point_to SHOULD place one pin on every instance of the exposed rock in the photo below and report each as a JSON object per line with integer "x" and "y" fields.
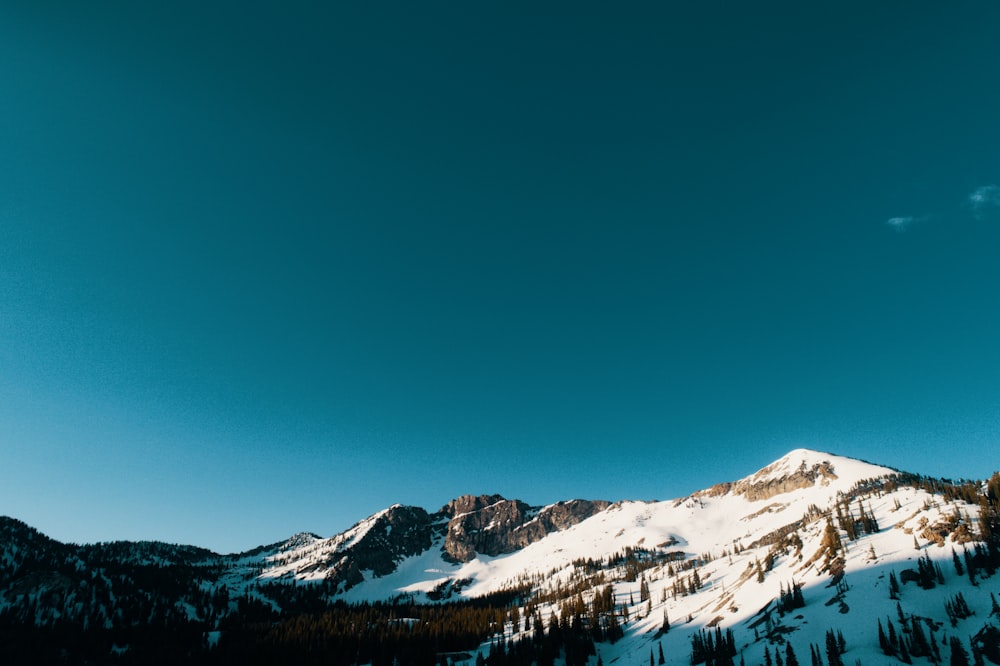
{"x": 493, "y": 525}
{"x": 469, "y": 504}
{"x": 481, "y": 525}
{"x": 764, "y": 484}
{"x": 398, "y": 533}
{"x": 555, "y": 518}
{"x": 401, "y": 532}
{"x": 466, "y": 526}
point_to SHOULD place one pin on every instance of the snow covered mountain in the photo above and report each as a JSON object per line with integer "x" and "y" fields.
{"x": 810, "y": 547}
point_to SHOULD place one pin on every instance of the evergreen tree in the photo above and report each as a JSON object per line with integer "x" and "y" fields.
{"x": 904, "y": 655}
{"x": 977, "y": 654}
{"x": 959, "y": 657}
{"x": 790, "y": 659}
{"x": 832, "y": 650}
{"x": 893, "y": 639}
{"x": 893, "y": 586}
{"x": 970, "y": 566}
{"x": 919, "y": 646}
{"x": 814, "y": 654}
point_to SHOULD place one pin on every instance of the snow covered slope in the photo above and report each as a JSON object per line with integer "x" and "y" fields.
{"x": 727, "y": 515}
{"x": 811, "y": 543}
{"x": 730, "y": 556}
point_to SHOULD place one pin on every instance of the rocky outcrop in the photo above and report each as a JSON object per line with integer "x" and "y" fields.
{"x": 555, "y": 518}
{"x": 466, "y": 526}
{"x": 398, "y": 533}
{"x": 765, "y": 484}
{"x": 401, "y": 532}
{"x": 493, "y": 525}
{"x": 481, "y": 525}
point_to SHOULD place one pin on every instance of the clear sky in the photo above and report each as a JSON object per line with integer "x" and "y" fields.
{"x": 269, "y": 267}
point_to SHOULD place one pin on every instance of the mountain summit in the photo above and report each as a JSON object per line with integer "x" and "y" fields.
{"x": 800, "y": 469}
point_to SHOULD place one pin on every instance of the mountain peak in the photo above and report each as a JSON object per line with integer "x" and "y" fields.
{"x": 470, "y": 503}
{"x": 800, "y": 469}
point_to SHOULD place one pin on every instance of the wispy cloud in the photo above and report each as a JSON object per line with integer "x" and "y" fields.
{"x": 983, "y": 198}
{"x": 901, "y": 223}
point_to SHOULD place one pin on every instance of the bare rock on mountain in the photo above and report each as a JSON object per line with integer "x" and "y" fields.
{"x": 768, "y": 482}
{"x": 385, "y": 539}
{"x": 401, "y": 532}
{"x": 481, "y": 525}
{"x": 493, "y": 525}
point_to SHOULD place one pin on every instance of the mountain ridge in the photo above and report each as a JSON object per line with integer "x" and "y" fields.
{"x": 834, "y": 530}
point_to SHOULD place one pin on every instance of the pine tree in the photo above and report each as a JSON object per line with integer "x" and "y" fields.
{"x": 977, "y": 654}
{"x": 959, "y": 657}
{"x": 798, "y": 601}
{"x": 893, "y": 586}
{"x": 919, "y": 647}
{"x": 832, "y": 650}
{"x": 831, "y": 544}
{"x": 790, "y": 659}
{"x": 814, "y": 654}
{"x": 904, "y": 655}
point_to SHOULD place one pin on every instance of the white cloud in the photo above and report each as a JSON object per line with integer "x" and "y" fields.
{"x": 901, "y": 223}
{"x": 987, "y": 196}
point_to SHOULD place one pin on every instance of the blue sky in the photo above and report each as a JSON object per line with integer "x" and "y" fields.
{"x": 271, "y": 267}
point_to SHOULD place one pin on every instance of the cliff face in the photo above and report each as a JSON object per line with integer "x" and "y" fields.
{"x": 400, "y": 532}
{"x": 493, "y": 525}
